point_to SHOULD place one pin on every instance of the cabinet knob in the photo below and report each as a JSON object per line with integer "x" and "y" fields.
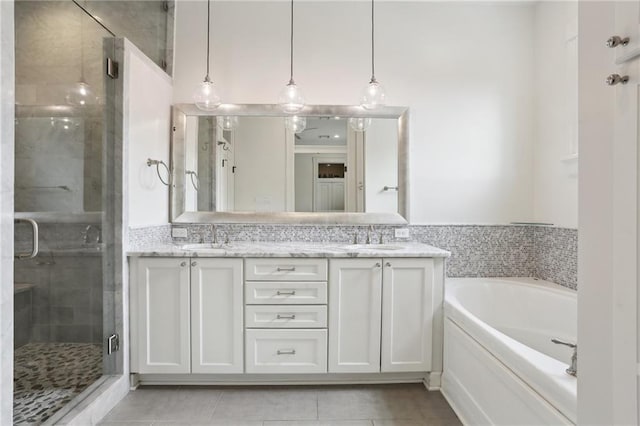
{"x": 194, "y": 263}
{"x": 387, "y": 264}
{"x": 378, "y": 265}
{"x": 615, "y": 41}
{"x": 183, "y": 264}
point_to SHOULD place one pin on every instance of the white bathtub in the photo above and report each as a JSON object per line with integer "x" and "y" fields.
{"x": 500, "y": 366}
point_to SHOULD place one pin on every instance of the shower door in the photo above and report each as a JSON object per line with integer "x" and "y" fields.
{"x": 64, "y": 306}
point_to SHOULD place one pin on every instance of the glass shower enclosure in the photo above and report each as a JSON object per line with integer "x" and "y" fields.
{"x": 64, "y": 305}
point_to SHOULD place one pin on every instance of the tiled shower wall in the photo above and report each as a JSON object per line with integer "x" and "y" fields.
{"x": 476, "y": 250}
{"x": 67, "y": 293}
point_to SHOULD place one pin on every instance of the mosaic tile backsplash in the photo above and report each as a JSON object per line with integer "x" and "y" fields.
{"x": 555, "y": 252}
{"x": 476, "y": 250}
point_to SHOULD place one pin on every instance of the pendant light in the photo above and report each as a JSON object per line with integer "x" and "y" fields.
{"x": 360, "y": 124}
{"x": 291, "y": 99}
{"x": 373, "y": 95}
{"x": 206, "y": 96}
{"x": 228, "y": 122}
{"x": 295, "y": 123}
{"x": 81, "y": 94}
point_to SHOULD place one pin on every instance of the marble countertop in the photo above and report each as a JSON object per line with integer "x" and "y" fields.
{"x": 292, "y": 249}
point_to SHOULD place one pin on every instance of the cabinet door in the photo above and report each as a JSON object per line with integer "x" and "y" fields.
{"x": 407, "y": 314}
{"x": 216, "y": 316}
{"x": 355, "y": 290}
{"x": 161, "y": 304}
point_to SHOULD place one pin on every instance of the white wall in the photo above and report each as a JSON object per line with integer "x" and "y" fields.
{"x": 464, "y": 69}
{"x": 381, "y": 144}
{"x": 146, "y": 127}
{"x": 556, "y": 94}
{"x": 260, "y": 160}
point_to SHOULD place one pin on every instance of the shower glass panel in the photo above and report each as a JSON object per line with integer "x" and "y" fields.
{"x": 148, "y": 24}
{"x": 64, "y": 309}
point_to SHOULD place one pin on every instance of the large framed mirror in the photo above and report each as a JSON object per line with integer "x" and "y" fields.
{"x": 251, "y": 164}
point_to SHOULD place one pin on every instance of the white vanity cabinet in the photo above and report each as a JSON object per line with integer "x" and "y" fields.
{"x": 187, "y": 315}
{"x": 286, "y": 315}
{"x": 355, "y": 304}
{"x": 381, "y": 315}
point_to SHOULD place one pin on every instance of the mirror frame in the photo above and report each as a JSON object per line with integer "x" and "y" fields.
{"x": 177, "y": 211}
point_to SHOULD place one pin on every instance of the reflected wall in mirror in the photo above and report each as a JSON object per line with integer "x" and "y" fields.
{"x": 260, "y": 165}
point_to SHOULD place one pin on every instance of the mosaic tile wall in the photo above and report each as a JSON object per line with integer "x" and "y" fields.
{"x": 555, "y": 252}
{"x": 476, "y": 250}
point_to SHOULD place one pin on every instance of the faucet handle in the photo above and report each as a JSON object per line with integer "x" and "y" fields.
{"x": 561, "y": 342}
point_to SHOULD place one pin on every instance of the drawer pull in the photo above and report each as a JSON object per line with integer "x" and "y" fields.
{"x": 291, "y": 269}
{"x": 290, "y": 316}
{"x": 286, "y": 293}
{"x": 286, "y": 351}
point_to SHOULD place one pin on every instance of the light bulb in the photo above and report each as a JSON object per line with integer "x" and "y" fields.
{"x": 228, "y": 122}
{"x": 80, "y": 95}
{"x": 373, "y": 95}
{"x": 360, "y": 124}
{"x": 295, "y": 123}
{"x": 206, "y": 96}
{"x": 291, "y": 99}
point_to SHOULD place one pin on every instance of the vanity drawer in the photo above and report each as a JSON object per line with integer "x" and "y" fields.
{"x": 286, "y": 316}
{"x": 285, "y": 269}
{"x": 285, "y": 293}
{"x": 286, "y": 351}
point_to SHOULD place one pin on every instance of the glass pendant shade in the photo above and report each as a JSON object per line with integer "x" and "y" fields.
{"x": 359, "y": 124}
{"x": 373, "y": 96}
{"x": 206, "y": 96}
{"x": 228, "y": 122}
{"x": 80, "y": 95}
{"x": 295, "y": 123}
{"x": 291, "y": 99}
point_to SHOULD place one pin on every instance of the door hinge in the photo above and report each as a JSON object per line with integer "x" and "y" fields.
{"x": 112, "y": 68}
{"x": 113, "y": 344}
{"x": 165, "y": 6}
{"x": 233, "y": 169}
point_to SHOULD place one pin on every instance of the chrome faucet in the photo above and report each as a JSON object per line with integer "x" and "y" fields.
{"x": 369, "y": 232}
{"x": 214, "y": 233}
{"x": 573, "y": 368}
{"x": 86, "y": 234}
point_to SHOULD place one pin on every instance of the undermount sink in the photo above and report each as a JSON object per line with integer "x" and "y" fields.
{"x": 205, "y": 247}
{"x": 373, "y": 247}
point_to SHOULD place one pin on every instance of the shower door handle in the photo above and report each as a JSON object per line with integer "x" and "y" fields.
{"x": 34, "y": 250}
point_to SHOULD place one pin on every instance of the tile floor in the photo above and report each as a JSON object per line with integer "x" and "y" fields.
{"x": 357, "y": 405}
{"x": 46, "y": 376}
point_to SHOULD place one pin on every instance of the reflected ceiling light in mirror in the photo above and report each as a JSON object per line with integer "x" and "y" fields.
{"x": 228, "y": 122}
{"x": 373, "y": 96}
{"x": 206, "y": 96}
{"x": 291, "y": 99}
{"x": 360, "y": 124}
{"x": 80, "y": 94}
{"x": 295, "y": 123}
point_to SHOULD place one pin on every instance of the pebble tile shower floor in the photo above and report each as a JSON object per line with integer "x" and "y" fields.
{"x": 358, "y": 405}
{"x": 49, "y": 375}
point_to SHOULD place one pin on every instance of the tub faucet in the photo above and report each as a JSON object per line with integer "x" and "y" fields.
{"x": 573, "y": 368}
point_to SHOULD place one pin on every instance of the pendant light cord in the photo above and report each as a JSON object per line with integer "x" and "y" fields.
{"x": 206, "y": 78}
{"x": 373, "y": 50}
{"x": 291, "y": 47}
